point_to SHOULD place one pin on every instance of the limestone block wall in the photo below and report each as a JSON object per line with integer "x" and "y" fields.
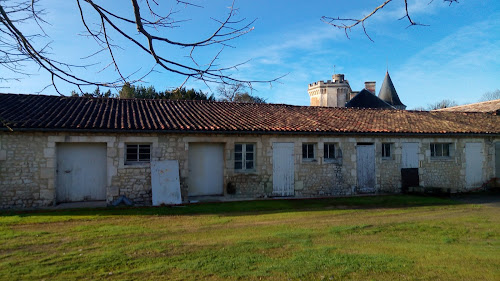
{"x": 25, "y": 179}
{"x": 28, "y": 164}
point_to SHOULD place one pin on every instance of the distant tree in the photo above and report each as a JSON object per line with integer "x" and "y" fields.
{"x": 420, "y": 108}
{"x": 246, "y": 97}
{"x": 442, "y": 104}
{"x": 228, "y": 92}
{"x": 237, "y": 93}
{"x": 95, "y": 94}
{"x": 127, "y": 92}
{"x": 183, "y": 94}
{"x": 494, "y": 95}
{"x": 141, "y": 92}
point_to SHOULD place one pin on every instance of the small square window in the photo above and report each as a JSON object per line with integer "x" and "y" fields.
{"x": 308, "y": 151}
{"x": 137, "y": 153}
{"x": 440, "y": 149}
{"x": 386, "y": 150}
{"x": 329, "y": 151}
{"x": 244, "y": 156}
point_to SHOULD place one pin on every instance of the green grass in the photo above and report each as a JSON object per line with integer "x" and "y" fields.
{"x": 362, "y": 238}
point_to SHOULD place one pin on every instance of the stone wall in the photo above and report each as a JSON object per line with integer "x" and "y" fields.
{"x": 28, "y": 175}
{"x": 25, "y": 179}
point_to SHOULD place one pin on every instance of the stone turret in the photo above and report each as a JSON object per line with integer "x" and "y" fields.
{"x": 332, "y": 93}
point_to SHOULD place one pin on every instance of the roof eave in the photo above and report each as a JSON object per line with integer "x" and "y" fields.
{"x": 262, "y": 132}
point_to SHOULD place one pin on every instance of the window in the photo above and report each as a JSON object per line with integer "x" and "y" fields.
{"x": 308, "y": 151}
{"x": 329, "y": 151}
{"x": 244, "y": 156}
{"x": 138, "y": 153}
{"x": 440, "y": 149}
{"x": 386, "y": 150}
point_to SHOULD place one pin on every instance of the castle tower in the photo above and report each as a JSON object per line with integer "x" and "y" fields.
{"x": 388, "y": 93}
{"x": 332, "y": 93}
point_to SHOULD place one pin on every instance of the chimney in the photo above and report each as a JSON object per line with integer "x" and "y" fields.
{"x": 370, "y": 86}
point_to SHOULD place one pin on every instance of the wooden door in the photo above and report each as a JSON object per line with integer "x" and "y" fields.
{"x": 473, "y": 164}
{"x": 206, "y": 169}
{"x": 365, "y": 160}
{"x": 409, "y": 157}
{"x": 165, "y": 185}
{"x": 283, "y": 169}
{"x": 81, "y": 172}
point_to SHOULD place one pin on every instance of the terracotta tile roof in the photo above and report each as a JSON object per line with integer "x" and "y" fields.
{"x": 485, "y": 106}
{"x": 37, "y": 112}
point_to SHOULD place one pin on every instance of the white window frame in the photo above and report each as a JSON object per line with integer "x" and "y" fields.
{"x": 434, "y": 151}
{"x": 244, "y": 157}
{"x": 137, "y": 160}
{"x": 309, "y": 147}
{"x": 327, "y": 150}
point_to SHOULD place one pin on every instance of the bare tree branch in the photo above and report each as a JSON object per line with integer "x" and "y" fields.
{"x": 347, "y": 24}
{"x": 18, "y": 48}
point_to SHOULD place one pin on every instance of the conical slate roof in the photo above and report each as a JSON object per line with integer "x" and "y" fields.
{"x": 365, "y": 99}
{"x": 388, "y": 92}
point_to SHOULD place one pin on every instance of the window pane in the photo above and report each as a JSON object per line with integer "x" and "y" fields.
{"x": 131, "y": 157}
{"x": 433, "y": 150}
{"x": 249, "y": 164}
{"x": 386, "y": 150}
{"x": 304, "y": 151}
{"x": 238, "y": 156}
{"x": 238, "y": 147}
{"x": 131, "y": 149}
{"x": 310, "y": 151}
{"x": 249, "y": 156}
{"x": 238, "y": 165}
{"x": 143, "y": 157}
{"x": 249, "y": 147}
{"x": 144, "y": 149}
{"x": 446, "y": 149}
{"x": 439, "y": 149}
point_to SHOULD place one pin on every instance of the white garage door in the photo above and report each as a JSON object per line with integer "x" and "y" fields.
{"x": 81, "y": 172}
{"x": 206, "y": 163}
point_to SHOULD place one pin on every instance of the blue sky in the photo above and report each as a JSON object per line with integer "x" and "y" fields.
{"x": 456, "y": 57}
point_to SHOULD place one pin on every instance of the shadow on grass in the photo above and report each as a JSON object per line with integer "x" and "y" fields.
{"x": 251, "y": 207}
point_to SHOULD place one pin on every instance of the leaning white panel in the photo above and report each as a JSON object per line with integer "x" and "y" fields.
{"x": 165, "y": 182}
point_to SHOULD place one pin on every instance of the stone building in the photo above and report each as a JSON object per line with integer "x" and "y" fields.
{"x": 338, "y": 93}
{"x": 57, "y": 149}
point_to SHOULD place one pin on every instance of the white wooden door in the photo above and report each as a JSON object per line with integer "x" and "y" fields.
{"x": 283, "y": 169}
{"x": 365, "y": 160}
{"x": 473, "y": 164}
{"x": 81, "y": 172}
{"x": 206, "y": 169}
{"x": 409, "y": 157}
{"x": 165, "y": 185}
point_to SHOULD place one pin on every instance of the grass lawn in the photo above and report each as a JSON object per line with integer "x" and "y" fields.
{"x": 362, "y": 238}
